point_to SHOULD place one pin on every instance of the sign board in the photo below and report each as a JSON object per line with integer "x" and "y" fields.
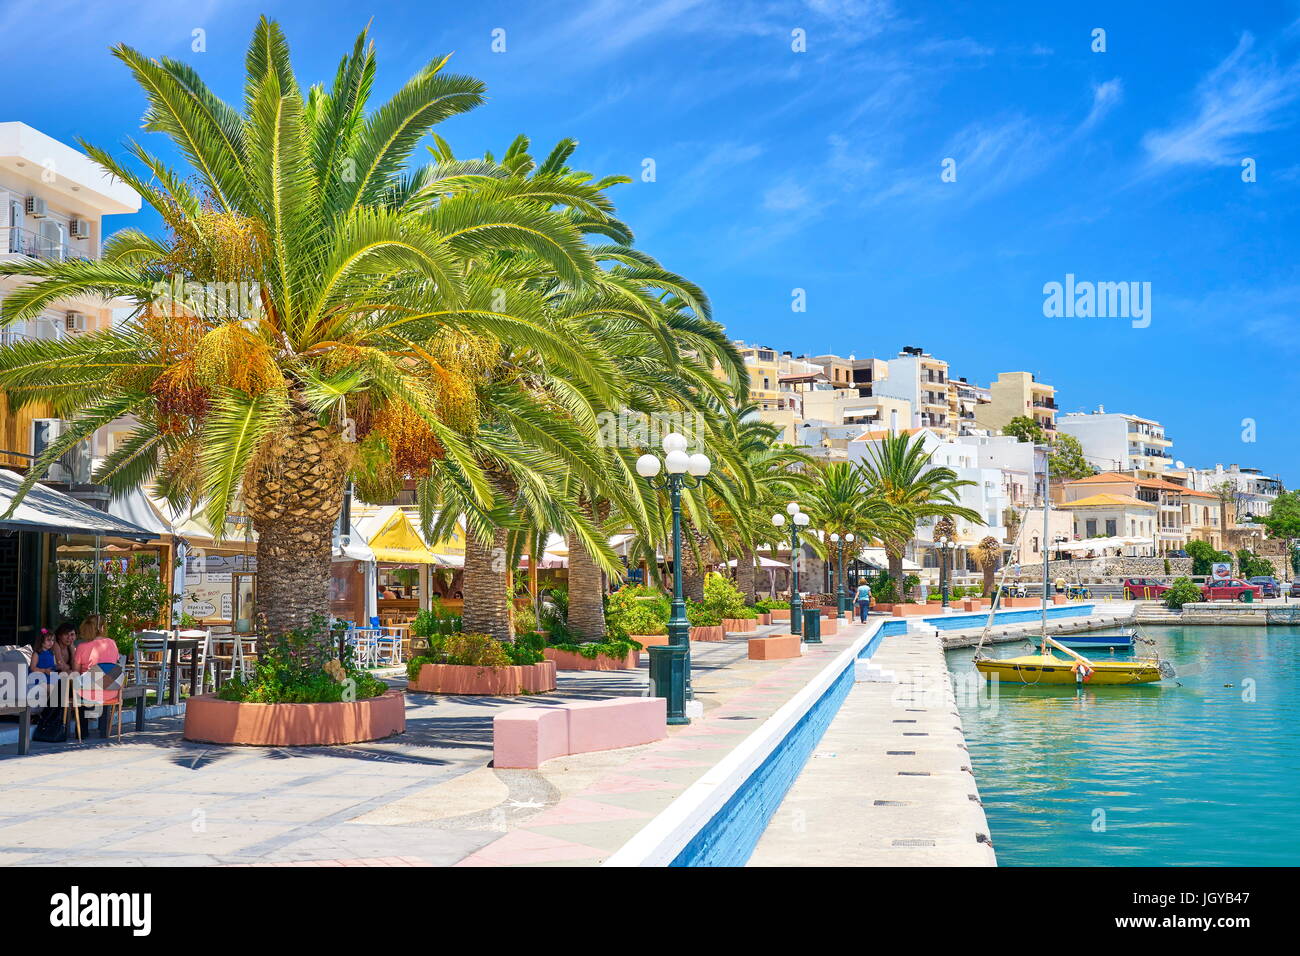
{"x": 1220, "y": 571}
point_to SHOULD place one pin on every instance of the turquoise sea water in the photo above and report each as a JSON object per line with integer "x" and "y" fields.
{"x": 1200, "y": 774}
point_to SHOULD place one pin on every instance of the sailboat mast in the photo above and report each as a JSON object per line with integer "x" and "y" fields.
{"x": 1047, "y": 493}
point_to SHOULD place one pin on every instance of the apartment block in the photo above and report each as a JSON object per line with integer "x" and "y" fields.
{"x": 1119, "y": 442}
{"x": 921, "y": 380}
{"x": 1017, "y": 395}
{"x": 53, "y": 200}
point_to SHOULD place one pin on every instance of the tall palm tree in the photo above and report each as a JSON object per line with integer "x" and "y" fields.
{"x": 370, "y": 298}
{"x": 840, "y": 500}
{"x": 899, "y": 470}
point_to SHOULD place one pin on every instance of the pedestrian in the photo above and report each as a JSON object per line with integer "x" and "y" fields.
{"x": 863, "y": 601}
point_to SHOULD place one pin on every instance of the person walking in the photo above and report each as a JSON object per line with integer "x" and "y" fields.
{"x": 862, "y": 600}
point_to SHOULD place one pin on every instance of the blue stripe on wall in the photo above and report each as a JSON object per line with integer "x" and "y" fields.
{"x": 731, "y": 834}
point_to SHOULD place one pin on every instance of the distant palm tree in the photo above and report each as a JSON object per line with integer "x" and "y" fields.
{"x": 987, "y": 554}
{"x": 899, "y": 470}
{"x": 840, "y": 500}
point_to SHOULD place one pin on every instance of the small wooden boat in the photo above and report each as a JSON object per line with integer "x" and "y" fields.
{"x": 1115, "y": 641}
{"x": 1050, "y": 669}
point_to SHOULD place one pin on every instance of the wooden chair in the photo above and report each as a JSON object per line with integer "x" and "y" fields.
{"x": 97, "y": 688}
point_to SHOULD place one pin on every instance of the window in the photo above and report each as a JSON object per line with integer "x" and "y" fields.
{"x": 1110, "y": 528}
{"x": 1090, "y": 528}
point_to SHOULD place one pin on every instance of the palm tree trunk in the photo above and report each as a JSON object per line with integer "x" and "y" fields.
{"x": 293, "y": 499}
{"x": 896, "y": 571}
{"x": 586, "y": 593}
{"x": 488, "y": 609}
{"x": 745, "y": 575}
{"x": 692, "y": 569}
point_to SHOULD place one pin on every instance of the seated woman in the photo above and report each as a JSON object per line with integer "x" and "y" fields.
{"x": 41, "y": 670}
{"x": 65, "y": 636}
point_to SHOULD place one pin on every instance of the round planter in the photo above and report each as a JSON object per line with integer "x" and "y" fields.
{"x": 739, "y": 625}
{"x": 573, "y": 661}
{"x": 475, "y": 681}
{"x": 712, "y": 632}
{"x": 650, "y": 640}
{"x": 211, "y": 720}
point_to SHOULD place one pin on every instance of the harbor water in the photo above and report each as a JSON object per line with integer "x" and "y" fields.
{"x": 1204, "y": 771}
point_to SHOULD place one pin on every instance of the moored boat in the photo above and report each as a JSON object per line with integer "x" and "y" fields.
{"x": 1114, "y": 641}
{"x": 1050, "y": 669}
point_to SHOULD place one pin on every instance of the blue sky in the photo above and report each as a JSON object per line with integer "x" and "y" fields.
{"x": 820, "y": 170}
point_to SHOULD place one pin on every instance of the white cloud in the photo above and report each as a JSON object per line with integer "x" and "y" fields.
{"x": 1242, "y": 96}
{"x": 1105, "y": 96}
{"x": 786, "y": 197}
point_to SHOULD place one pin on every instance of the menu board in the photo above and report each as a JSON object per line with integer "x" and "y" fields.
{"x": 209, "y": 584}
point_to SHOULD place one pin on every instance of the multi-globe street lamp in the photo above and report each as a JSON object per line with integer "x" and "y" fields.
{"x": 670, "y": 667}
{"x": 841, "y": 599}
{"x": 798, "y": 519}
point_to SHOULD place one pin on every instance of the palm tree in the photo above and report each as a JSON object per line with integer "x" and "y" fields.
{"x": 899, "y": 470}
{"x": 373, "y": 307}
{"x": 987, "y": 555}
{"x": 839, "y": 501}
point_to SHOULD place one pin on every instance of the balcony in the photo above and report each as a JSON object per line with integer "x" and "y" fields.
{"x": 1045, "y": 403}
{"x": 23, "y": 242}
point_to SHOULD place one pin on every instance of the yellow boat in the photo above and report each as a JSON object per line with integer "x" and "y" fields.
{"x": 1050, "y": 669}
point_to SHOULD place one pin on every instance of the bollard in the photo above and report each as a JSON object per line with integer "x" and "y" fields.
{"x": 668, "y": 679}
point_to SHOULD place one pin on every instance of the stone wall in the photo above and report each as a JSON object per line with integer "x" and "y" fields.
{"x": 1109, "y": 568}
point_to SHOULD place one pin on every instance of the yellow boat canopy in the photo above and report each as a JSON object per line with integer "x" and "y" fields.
{"x": 393, "y": 538}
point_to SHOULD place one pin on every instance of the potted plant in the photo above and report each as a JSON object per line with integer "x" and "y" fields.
{"x": 706, "y": 623}
{"x": 728, "y": 603}
{"x": 638, "y": 614}
{"x": 299, "y": 694}
{"x": 777, "y": 610}
{"x": 483, "y": 666}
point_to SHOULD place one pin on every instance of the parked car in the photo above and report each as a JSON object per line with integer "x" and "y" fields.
{"x": 1294, "y": 590}
{"x": 1269, "y": 587}
{"x": 1143, "y": 588}
{"x": 1180, "y": 553}
{"x": 1228, "y": 589}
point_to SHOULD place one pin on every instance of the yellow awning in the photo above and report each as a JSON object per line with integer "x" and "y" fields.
{"x": 396, "y": 541}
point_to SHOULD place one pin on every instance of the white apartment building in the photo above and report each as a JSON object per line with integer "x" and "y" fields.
{"x": 1254, "y": 491}
{"x": 53, "y": 200}
{"x": 1113, "y": 441}
{"x": 921, "y": 380}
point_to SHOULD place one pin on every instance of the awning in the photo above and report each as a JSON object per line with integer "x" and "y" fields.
{"x": 45, "y": 510}
{"x": 134, "y": 507}
{"x": 762, "y": 563}
{"x": 352, "y": 546}
{"x": 392, "y": 537}
{"x": 876, "y": 558}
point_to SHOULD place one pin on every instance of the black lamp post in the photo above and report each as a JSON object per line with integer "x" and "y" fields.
{"x": 670, "y": 667}
{"x": 946, "y": 546}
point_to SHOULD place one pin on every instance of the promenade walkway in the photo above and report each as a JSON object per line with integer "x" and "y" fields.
{"x": 890, "y": 784}
{"x": 427, "y": 797}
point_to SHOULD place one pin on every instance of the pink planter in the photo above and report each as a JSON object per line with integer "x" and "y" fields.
{"x": 711, "y": 633}
{"x": 739, "y": 625}
{"x": 211, "y": 720}
{"x": 779, "y": 647}
{"x": 485, "y": 681}
{"x": 650, "y": 640}
{"x": 830, "y": 626}
{"x": 780, "y": 614}
{"x": 764, "y": 619}
{"x": 573, "y": 661}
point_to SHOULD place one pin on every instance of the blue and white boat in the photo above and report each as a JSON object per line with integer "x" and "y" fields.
{"x": 1121, "y": 640}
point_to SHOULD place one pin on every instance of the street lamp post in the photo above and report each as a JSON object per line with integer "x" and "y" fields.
{"x": 841, "y": 599}
{"x": 797, "y": 520}
{"x": 671, "y": 665}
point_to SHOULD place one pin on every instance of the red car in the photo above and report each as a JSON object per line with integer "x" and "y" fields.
{"x": 1142, "y": 589}
{"x": 1229, "y": 589}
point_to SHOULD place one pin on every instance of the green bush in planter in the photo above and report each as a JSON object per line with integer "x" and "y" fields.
{"x": 701, "y": 615}
{"x": 637, "y": 610}
{"x": 770, "y": 604}
{"x": 616, "y": 650}
{"x": 1182, "y": 591}
{"x": 723, "y": 597}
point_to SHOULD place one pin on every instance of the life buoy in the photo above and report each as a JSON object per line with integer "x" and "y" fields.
{"x": 1082, "y": 672}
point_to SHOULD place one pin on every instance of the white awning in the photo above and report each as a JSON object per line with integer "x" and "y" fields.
{"x": 762, "y": 563}
{"x": 877, "y": 558}
{"x": 48, "y": 511}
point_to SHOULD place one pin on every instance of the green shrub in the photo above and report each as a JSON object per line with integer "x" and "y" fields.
{"x": 701, "y": 615}
{"x": 301, "y": 667}
{"x": 884, "y": 590}
{"x": 617, "y": 650}
{"x": 525, "y": 620}
{"x": 1182, "y": 591}
{"x": 772, "y": 604}
{"x": 475, "y": 650}
{"x": 637, "y": 610}
{"x": 723, "y": 597}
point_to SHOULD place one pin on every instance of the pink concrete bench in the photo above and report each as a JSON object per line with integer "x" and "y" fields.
{"x": 526, "y": 737}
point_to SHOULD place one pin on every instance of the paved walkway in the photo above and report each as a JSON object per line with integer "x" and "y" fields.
{"x": 890, "y": 783}
{"x": 427, "y": 797}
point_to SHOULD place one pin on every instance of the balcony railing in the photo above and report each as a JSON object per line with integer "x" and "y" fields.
{"x": 49, "y": 248}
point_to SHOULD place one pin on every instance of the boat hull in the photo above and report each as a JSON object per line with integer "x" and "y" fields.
{"x": 1047, "y": 669}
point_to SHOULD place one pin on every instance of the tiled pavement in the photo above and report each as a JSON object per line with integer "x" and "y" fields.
{"x": 427, "y": 797}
